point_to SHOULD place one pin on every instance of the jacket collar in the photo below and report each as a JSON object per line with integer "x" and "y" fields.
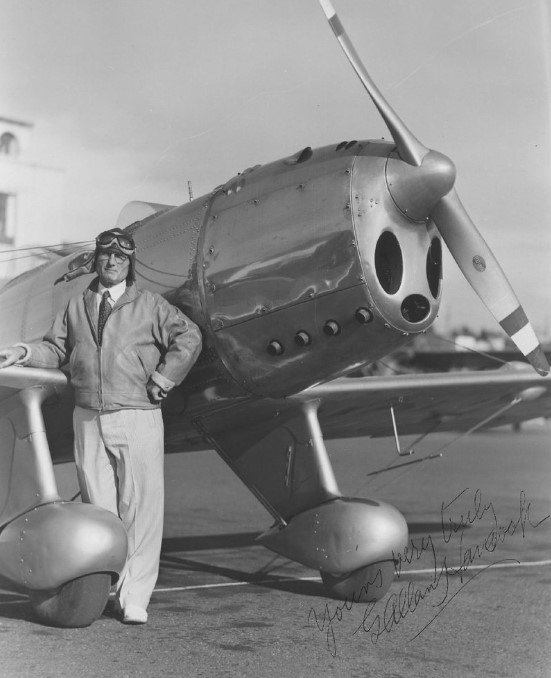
{"x": 90, "y": 301}
{"x": 130, "y": 293}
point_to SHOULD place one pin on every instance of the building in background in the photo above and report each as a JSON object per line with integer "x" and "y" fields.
{"x": 31, "y": 202}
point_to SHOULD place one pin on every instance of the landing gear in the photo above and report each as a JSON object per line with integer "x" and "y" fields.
{"x": 366, "y": 584}
{"x": 76, "y": 604}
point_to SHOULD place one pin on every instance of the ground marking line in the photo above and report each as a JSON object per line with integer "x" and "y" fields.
{"x": 276, "y": 581}
{"x": 175, "y": 589}
{"x": 234, "y": 583}
{"x": 451, "y": 569}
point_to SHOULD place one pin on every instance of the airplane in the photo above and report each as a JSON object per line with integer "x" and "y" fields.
{"x": 298, "y": 272}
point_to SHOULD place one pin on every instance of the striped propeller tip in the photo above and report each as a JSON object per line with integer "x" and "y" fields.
{"x": 518, "y": 327}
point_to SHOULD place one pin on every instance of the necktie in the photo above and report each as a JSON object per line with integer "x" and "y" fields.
{"x": 104, "y": 312}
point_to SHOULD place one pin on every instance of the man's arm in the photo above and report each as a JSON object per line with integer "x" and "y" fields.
{"x": 181, "y": 339}
{"x": 52, "y": 351}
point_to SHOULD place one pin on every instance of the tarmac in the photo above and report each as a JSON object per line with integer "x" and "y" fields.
{"x": 472, "y": 598}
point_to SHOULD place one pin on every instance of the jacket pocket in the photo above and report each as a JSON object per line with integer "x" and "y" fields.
{"x": 149, "y": 357}
{"x": 142, "y": 362}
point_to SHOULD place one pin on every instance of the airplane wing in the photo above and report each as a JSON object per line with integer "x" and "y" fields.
{"x": 276, "y": 446}
{"x": 14, "y": 379}
{"x": 424, "y": 403}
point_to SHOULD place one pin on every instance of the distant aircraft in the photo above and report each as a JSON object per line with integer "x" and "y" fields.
{"x": 298, "y": 272}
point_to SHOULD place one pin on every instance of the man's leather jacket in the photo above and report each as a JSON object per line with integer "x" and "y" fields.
{"x": 144, "y": 337}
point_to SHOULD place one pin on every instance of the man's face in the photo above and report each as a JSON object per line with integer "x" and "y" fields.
{"x": 112, "y": 268}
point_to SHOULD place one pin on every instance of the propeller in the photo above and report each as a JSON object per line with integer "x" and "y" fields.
{"x": 432, "y": 176}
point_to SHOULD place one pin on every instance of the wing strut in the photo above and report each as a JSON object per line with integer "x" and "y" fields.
{"x": 396, "y": 437}
{"x": 527, "y": 394}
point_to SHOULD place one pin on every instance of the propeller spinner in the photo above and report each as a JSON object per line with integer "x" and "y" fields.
{"x": 421, "y": 184}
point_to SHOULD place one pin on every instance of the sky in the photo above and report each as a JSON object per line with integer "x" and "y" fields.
{"x": 134, "y": 98}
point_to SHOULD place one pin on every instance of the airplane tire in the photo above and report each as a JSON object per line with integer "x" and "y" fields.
{"x": 76, "y": 604}
{"x": 364, "y": 585}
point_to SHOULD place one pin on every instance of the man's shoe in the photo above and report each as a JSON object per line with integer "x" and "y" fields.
{"x": 134, "y": 615}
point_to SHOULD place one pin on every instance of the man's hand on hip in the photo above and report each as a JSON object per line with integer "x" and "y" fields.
{"x": 155, "y": 392}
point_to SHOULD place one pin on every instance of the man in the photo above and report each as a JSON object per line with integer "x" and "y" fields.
{"x": 126, "y": 349}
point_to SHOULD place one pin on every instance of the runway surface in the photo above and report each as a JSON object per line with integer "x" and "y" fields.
{"x": 473, "y": 597}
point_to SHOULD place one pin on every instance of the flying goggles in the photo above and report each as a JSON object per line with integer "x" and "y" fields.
{"x": 120, "y": 241}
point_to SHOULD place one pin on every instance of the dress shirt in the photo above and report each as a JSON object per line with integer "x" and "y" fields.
{"x": 115, "y": 293}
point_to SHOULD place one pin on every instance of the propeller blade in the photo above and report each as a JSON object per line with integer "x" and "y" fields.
{"x": 410, "y": 149}
{"x": 417, "y": 194}
{"x": 483, "y": 272}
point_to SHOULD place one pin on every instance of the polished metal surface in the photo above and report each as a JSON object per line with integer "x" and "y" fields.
{"x": 341, "y": 536}
{"x": 294, "y": 242}
{"x": 57, "y": 542}
{"x": 166, "y": 253}
{"x": 305, "y": 272}
{"x": 26, "y": 472}
{"x": 416, "y": 190}
{"x": 376, "y": 217}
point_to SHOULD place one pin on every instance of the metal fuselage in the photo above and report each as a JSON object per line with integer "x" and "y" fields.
{"x": 297, "y": 272}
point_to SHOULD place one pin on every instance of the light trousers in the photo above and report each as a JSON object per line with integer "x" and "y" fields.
{"x": 119, "y": 458}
